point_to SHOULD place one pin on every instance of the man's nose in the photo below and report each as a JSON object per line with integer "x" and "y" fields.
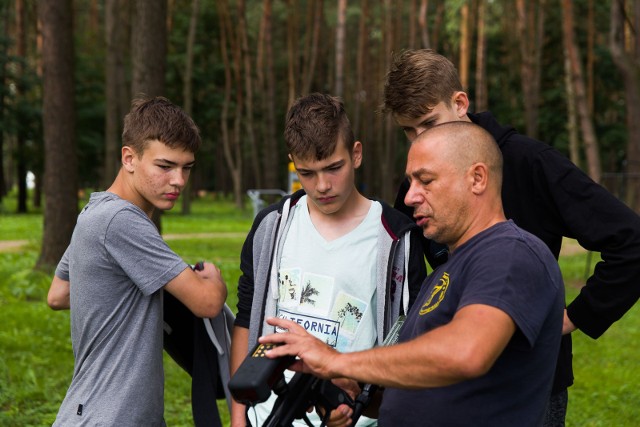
{"x": 412, "y": 198}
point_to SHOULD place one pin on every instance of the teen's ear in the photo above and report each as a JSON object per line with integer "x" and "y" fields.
{"x": 461, "y": 102}
{"x": 356, "y": 154}
{"x": 128, "y": 158}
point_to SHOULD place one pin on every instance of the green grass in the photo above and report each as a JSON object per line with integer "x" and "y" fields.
{"x": 36, "y": 361}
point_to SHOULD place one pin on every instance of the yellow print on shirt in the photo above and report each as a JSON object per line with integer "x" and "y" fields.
{"x": 437, "y": 295}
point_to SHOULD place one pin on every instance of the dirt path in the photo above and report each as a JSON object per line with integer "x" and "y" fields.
{"x": 11, "y": 245}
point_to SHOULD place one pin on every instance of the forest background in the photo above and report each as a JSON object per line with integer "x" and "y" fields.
{"x": 566, "y": 72}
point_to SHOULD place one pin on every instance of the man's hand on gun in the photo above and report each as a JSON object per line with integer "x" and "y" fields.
{"x": 315, "y": 357}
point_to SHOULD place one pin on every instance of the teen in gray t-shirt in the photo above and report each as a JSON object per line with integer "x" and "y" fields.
{"x": 115, "y": 268}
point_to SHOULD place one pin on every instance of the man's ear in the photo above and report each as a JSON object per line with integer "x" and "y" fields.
{"x": 128, "y": 158}
{"x": 461, "y": 102}
{"x": 480, "y": 175}
{"x": 356, "y": 154}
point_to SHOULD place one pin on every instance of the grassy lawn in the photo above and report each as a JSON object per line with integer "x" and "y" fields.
{"x": 36, "y": 361}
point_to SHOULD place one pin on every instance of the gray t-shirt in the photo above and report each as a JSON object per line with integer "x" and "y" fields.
{"x": 117, "y": 264}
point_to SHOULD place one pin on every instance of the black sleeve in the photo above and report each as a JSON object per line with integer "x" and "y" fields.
{"x": 436, "y": 253}
{"x": 601, "y": 223}
{"x": 245, "y": 282}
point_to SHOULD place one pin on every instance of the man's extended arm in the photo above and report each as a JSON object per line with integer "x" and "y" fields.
{"x": 465, "y": 348}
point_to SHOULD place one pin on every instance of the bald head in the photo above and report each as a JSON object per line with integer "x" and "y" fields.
{"x": 463, "y": 144}
{"x": 455, "y": 177}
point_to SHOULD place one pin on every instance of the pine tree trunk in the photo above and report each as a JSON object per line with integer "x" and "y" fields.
{"x": 58, "y": 117}
{"x": 117, "y": 29}
{"x": 627, "y": 61}
{"x": 148, "y": 52}
{"x": 586, "y": 124}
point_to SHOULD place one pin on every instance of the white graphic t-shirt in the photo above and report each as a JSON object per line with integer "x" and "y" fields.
{"x": 329, "y": 288}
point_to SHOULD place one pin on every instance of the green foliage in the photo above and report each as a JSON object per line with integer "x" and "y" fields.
{"x": 19, "y": 226}
{"x": 606, "y": 372}
{"x": 36, "y": 362}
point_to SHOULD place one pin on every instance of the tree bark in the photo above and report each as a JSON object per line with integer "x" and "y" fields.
{"x": 423, "y": 23}
{"x": 481, "y": 61}
{"x": 360, "y": 92}
{"x": 572, "y": 122}
{"x": 292, "y": 51}
{"x": 149, "y": 47}
{"x": 248, "y": 88}
{"x": 149, "y": 51}
{"x": 312, "y": 59}
{"x": 530, "y": 27}
{"x": 465, "y": 48}
{"x": 61, "y": 165}
{"x": 117, "y": 97}
{"x": 271, "y": 152}
{"x": 3, "y": 81}
{"x": 230, "y": 139}
{"x": 341, "y": 32}
{"x": 586, "y": 125}
{"x": 628, "y": 62}
{"x": 21, "y": 140}
{"x": 187, "y": 88}
{"x": 387, "y": 182}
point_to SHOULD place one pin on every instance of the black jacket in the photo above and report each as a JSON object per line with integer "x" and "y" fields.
{"x": 547, "y": 195}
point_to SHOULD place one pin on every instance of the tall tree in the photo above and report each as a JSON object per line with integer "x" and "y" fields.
{"x": 292, "y": 50}
{"x": 481, "y": 95}
{"x": 21, "y": 149}
{"x": 187, "y": 88}
{"x": 117, "y": 33}
{"x": 360, "y": 93}
{"x": 465, "y": 45}
{"x": 627, "y": 59}
{"x": 591, "y": 36}
{"x": 422, "y": 21}
{"x": 341, "y": 33}
{"x": 231, "y": 141}
{"x": 530, "y": 25}
{"x": 310, "y": 54}
{"x": 149, "y": 47}
{"x": 586, "y": 124}
{"x": 4, "y": 59}
{"x": 249, "y": 93}
{"x": 388, "y": 144}
{"x": 60, "y": 183}
{"x": 148, "y": 54}
{"x": 266, "y": 76}
{"x": 572, "y": 121}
